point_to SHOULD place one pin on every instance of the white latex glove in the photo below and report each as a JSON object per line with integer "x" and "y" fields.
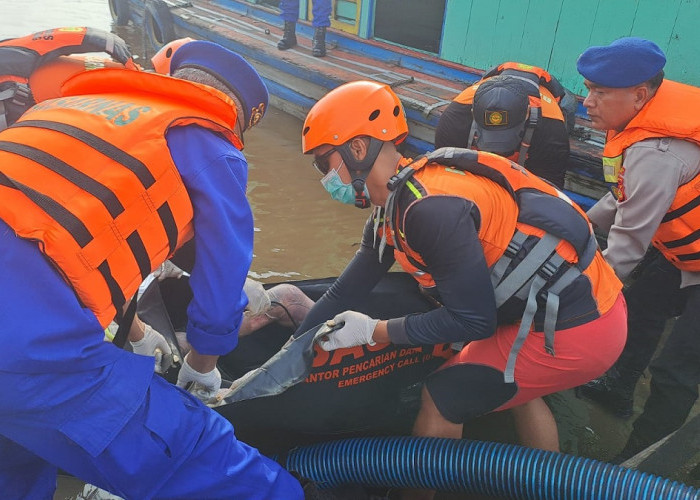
{"x": 258, "y": 299}
{"x": 203, "y": 385}
{"x": 154, "y": 344}
{"x": 168, "y": 270}
{"x": 358, "y": 330}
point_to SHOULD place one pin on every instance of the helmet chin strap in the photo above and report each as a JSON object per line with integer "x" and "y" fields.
{"x": 359, "y": 169}
{"x": 358, "y": 184}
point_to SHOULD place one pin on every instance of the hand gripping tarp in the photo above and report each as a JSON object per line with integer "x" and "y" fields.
{"x": 289, "y": 366}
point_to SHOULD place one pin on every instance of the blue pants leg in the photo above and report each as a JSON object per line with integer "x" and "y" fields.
{"x": 289, "y": 10}
{"x": 23, "y": 474}
{"x": 171, "y": 447}
{"x": 320, "y": 9}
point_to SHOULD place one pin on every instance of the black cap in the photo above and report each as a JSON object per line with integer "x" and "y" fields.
{"x": 500, "y": 112}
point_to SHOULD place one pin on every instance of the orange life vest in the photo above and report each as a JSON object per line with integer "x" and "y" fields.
{"x": 45, "y": 82}
{"x": 544, "y": 97}
{"x": 537, "y": 75}
{"x": 674, "y": 111}
{"x": 21, "y": 57}
{"x": 89, "y": 177}
{"x": 514, "y": 205}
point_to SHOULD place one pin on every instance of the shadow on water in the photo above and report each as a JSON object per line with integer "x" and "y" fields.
{"x": 301, "y": 233}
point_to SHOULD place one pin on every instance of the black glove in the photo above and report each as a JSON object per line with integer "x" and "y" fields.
{"x": 97, "y": 40}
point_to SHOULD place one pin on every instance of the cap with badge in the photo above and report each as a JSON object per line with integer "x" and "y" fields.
{"x": 234, "y": 71}
{"x": 500, "y": 111}
{"x": 626, "y": 62}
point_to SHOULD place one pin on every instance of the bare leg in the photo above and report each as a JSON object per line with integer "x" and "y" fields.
{"x": 536, "y": 426}
{"x": 430, "y": 423}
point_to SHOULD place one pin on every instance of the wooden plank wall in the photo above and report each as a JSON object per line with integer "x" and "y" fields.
{"x": 552, "y": 33}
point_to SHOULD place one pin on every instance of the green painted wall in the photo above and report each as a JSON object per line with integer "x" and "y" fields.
{"x": 552, "y": 33}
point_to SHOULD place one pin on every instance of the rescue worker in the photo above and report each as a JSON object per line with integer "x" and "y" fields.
{"x": 36, "y": 75}
{"x": 99, "y": 187}
{"x": 32, "y": 67}
{"x": 321, "y": 12}
{"x": 32, "y": 70}
{"x": 652, "y": 160}
{"x": 513, "y": 111}
{"x": 480, "y": 233}
{"x": 284, "y": 304}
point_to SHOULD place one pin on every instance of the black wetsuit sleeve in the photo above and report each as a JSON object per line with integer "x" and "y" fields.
{"x": 548, "y": 154}
{"x": 443, "y": 230}
{"x": 453, "y": 126}
{"x": 351, "y": 290}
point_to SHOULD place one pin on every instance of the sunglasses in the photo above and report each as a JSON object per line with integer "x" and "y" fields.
{"x": 321, "y": 162}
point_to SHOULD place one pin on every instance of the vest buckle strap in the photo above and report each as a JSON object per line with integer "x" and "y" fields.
{"x": 8, "y": 93}
{"x": 501, "y": 266}
{"x": 393, "y": 180}
{"x": 534, "y": 288}
{"x": 513, "y": 248}
{"x": 22, "y": 95}
{"x": 525, "y": 269}
{"x": 399, "y": 178}
{"x": 3, "y": 115}
{"x": 549, "y": 268}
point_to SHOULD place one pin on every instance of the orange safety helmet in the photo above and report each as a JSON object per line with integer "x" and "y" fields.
{"x": 161, "y": 61}
{"x": 355, "y": 109}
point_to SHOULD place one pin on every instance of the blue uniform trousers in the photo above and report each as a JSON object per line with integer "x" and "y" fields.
{"x": 321, "y": 10}
{"x": 70, "y": 400}
{"x": 171, "y": 447}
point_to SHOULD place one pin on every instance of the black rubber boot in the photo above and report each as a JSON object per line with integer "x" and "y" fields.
{"x": 289, "y": 37}
{"x": 613, "y": 391}
{"x": 318, "y": 46}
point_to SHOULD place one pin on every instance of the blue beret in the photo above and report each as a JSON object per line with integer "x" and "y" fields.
{"x": 234, "y": 71}
{"x": 624, "y": 63}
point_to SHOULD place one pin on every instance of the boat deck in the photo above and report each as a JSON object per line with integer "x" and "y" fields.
{"x": 296, "y": 79}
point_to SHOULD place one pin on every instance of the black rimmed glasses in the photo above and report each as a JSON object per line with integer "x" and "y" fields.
{"x": 321, "y": 162}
